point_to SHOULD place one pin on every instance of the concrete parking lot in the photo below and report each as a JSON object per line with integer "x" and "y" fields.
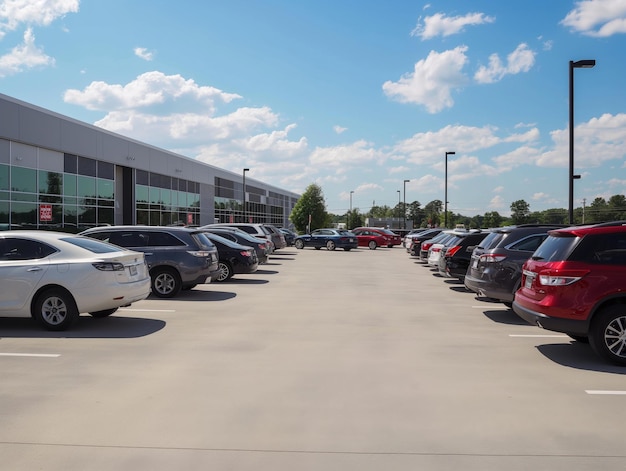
{"x": 360, "y": 360}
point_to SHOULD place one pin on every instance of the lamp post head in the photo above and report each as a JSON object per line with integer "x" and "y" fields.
{"x": 407, "y": 181}
{"x": 583, "y": 64}
{"x": 246, "y": 169}
{"x": 450, "y": 153}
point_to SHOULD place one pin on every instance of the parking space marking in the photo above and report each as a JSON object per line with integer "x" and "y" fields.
{"x": 38, "y": 355}
{"x": 148, "y": 310}
{"x": 605, "y": 392}
{"x": 541, "y": 336}
{"x": 492, "y": 308}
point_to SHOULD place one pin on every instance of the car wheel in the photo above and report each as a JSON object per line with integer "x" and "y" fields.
{"x": 104, "y": 313}
{"x": 55, "y": 309}
{"x": 607, "y": 335}
{"x": 299, "y": 244}
{"x": 330, "y": 245}
{"x": 226, "y": 272}
{"x": 372, "y": 245}
{"x": 166, "y": 283}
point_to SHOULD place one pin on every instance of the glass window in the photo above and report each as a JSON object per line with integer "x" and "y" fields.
{"x": 4, "y": 177}
{"x": 4, "y": 212}
{"x": 141, "y": 177}
{"x": 105, "y": 188}
{"x": 86, "y": 215}
{"x": 24, "y": 213}
{"x": 163, "y": 239}
{"x": 69, "y": 185}
{"x": 70, "y": 217}
{"x": 106, "y": 170}
{"x": 155, "y": 195}
{"x": 86, "y": 187}
{"x": 142, "y": 193}
{"x": 50, "y": 183}
{"x": 23, "y": 179}
{"x": 93, "y": 245}
{"x": 529, "y": 244}
{"x": 86, "y": 166}
{"x": 13, "y": 248}
{"x": 555, "y": 248}
{"x": 70, "y": 164}
{"x": 106, "y": 216}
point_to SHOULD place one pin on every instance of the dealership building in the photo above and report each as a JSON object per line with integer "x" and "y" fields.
{"x": 57, "y": 172}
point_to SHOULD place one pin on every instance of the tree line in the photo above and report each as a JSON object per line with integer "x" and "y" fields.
{"x": 310, "y": 213}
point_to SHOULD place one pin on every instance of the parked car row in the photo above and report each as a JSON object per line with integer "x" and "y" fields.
{"x": 370, "y": 237}
{"x": 53, "y": 277}
{"x": 564, "y": 279}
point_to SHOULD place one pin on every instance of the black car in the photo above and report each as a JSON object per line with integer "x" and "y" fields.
{"x": 234, "y": 258}
{"x": 261, "y": 246}
{"x": 495, "y": 269}
{"x": 456, "y": 255}
{"x": 290, "y": 236}
{"x": 416, "y": 241}
{"x": 178, "y": 257}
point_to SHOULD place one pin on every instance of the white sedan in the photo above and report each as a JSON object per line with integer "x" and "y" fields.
{"x": 54, "y": 277}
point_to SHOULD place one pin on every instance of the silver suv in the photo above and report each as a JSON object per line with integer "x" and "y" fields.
{"x": 178, "y": 258}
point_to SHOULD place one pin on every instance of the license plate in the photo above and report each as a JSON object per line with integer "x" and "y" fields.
{"x": 529, "y": 281}
{"x": 475, "y": 263}
{"x": 133, "y": 270}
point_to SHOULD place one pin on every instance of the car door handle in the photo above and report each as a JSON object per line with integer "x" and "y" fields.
{"x": 34, "y": 269}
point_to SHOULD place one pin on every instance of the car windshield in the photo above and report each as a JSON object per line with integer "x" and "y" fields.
{"x": 93, "y": 245}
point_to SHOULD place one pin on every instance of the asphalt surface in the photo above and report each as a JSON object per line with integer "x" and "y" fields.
{"x": 361, "y": 360}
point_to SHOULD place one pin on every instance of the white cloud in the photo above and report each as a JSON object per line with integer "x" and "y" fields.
{"x": 339, "y": 130}
{"x": 497, "y": 202}
{"x": 13, "y": 13}
{"x": 344, "y": 157}
{"x": 368, "y": 187}
{"x": 143, "y": 53}
{"x": 441, "y": 25}
{"x": 401, "y": 169}
{"x": 432, "y": 81}
{"x": 520, "y": 60}
{"x": 24, "y": 56}
{"x": 498, "y": 189}
{"x": 597, "y": 18}
{"x": 540, "y": 196}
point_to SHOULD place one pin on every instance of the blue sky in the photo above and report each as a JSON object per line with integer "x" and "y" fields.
{"x": 354, "y": 95}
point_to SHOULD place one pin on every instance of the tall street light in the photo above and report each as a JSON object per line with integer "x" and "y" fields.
{"x": 245, "y": 212}
{"x": 583, "y": 64}
{"x": 445, "y": 196}
{"x": 398, "y": 208}
{"x": 350, "y": 213}
{"x": 404, "y": 206}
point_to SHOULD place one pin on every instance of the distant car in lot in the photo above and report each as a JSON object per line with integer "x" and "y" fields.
{"x": 257, "y": 230}
{"x": 406, "y": 239}
{"x": 456, "y": 255}
{"x": 427, "y": 244}
{"x": 574, "y": 283}
{"x": 329, "y": 238}
{"x": 495, "y": 269}
{"x": 234, "y": 258}
{"x": 278, "y": 238}
{"x": 53, "y": 277}
{"x": 261, "y": 246}
{"x": 178, "y": 257}
{"x": 289, "y": 235}
{"x": 373, "y": 237}
{"x": 416, "y": 241}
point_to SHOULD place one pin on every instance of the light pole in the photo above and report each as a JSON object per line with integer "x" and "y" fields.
{"x": 350, "y": 213}
{"x": 445, "y": 196}
{"x": 398, "y": 209}
{"x": 404, "y": 206}
{"x": 245, "y": 212}
{"x": 583, "y": 64}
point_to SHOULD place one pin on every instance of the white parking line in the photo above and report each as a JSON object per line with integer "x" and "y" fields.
{"x": 540, "y": 336}
{"x": 147, "y": 310}
{"x": 40, "y": 355}
{"x": 491, "y": 308}
{"x": 606, "y": 393}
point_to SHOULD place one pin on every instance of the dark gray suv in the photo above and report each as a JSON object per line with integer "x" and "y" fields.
{"x": 178, "y": 257}
{"x": 495, "y": 269}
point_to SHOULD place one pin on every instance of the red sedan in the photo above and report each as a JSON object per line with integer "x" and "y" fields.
{"x": 373, "y": 237}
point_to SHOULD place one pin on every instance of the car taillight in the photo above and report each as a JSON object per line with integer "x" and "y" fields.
{"x": 436, "y": 249}
{"x": 492, "y": 258}
{"x": 452, "y": 250}
{"x": 561, "y": 278}
{"x": 198, "y": 253}
{"x": 108, "y": 266}
{"x": 425, "y": 246}
{"x": 246, "y": 253}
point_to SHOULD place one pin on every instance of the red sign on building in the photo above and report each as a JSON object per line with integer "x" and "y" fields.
{"x": 45, "y": 212}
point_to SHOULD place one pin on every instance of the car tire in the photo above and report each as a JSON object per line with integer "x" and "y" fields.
{"x": 372, "y": 245}
{"x": 166, "y": 283}
{"x": 55, "y": 309}
{"x": 226, "y": 272}
{"x": 607, "y": 335}
{"x": 330, "y": 245}
{"x": 299, "y": 244}
{"x": 103, "y": 313}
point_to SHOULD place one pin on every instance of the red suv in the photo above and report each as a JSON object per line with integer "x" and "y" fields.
{"x": 575, "y": 283}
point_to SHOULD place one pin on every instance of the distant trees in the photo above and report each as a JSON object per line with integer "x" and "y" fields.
{"x": 311, "y": 206}
{"x": 520, "y": 210}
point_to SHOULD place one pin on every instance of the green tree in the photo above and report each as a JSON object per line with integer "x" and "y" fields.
{"x": 354, "y": 219}
{"x": 415, "y": 213}
{"x": 520, "y": 211}
{"x": 433, "y": 211}
{"x": 617, "y": 207}
{"x": 311, "y": 204}
{"x": 492, "y": 219}
{"x": 555, "y": 216}
{"x": 597, "y": 211}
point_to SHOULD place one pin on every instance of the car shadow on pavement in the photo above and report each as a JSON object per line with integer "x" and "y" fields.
{"x": 266, "y": 272}
{"x": 507, "y": 316}
{"x": 578, "y": 355}
{"x": 200, "y": 295}
{"x": 460, "y": 289}
{"x": 86, "y": 327}
{"x": 245, "y": 281}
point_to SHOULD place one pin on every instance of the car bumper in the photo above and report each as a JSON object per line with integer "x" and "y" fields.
{"x": 556, "y": 324}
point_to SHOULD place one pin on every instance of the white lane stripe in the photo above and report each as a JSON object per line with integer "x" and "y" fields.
{"x": 147, "y": 310}
{"x": 606, "y": 393}
{"x": 40, "y": 355}
{"x": 540, "y": 336}
{"x": 492, "y": 308}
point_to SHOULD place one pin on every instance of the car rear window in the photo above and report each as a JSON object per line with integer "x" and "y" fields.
{"x": 555, "y": 248}
{"x": 606, "y": 249}
{"x": 491, "y": 240}
{"x": 93, "y": 245}
{"x": 204, "y": 241}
